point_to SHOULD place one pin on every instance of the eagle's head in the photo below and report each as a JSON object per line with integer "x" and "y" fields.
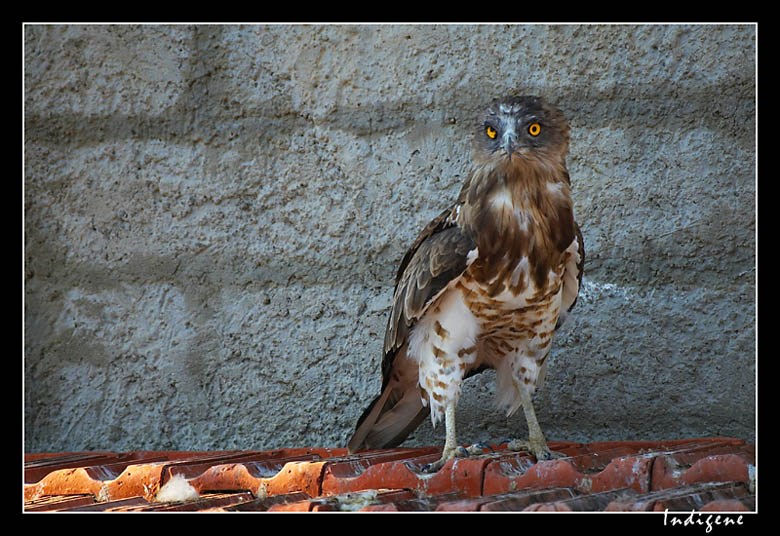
{"x": 527, "y": 127}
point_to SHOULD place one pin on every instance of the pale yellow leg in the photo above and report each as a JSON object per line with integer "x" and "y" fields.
{"x": 536, "y": 444}
{"x": 451, "y": 449}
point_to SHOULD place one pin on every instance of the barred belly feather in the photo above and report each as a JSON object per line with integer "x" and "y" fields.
{"x": 444, "y": 344}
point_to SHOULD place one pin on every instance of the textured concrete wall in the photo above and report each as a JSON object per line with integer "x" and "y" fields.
{"x": 214, "y": 216}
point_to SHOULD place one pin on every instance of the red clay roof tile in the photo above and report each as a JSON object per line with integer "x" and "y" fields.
{"x": 706, "y": 474}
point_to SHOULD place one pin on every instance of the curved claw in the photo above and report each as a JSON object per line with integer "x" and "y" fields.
{"x": 477, "y": 448}
{"x": 539, "y": 450}
{"x": 458, "y": 452}
{"x": 438, "y": 464}
{"x": 447, "y": 455}
{"x": 429, "y": 468}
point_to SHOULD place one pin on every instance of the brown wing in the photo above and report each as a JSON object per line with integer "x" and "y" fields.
{"x": 572, "y": 278}
{"x": 437, "y": 257}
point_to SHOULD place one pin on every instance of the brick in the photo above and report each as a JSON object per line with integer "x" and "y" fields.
{"x": 669, "y": 473}
{"x": 52, "y": 503}
{"x": 292, "y": 469}
{"x": 518, "y": 501}
{"x": 548, "y": 507}
{"x": 507, "y": 475}
{"x": 120, "y": 505}
{"x": 706, "y": 474}
{"x": 103, "y": 484}
{"x": 265, "y": 503}
{"x": 464, "y": 474}
{"x": 696, "y": 496}
{"x": 371, "y": 500}
{"x": 590, "y": 502}
{"x": 211, "y": 501}
{"x": 684, "y": 498}
{"x": 725, "y": 506}
{"x": 413, "y": 504}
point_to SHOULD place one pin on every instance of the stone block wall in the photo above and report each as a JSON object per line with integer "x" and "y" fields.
{"x": 213, "y": 217}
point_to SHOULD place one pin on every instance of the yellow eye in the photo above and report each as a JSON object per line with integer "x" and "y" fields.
{"x": 491, "y": 132}
{"x": 534, "y": 129}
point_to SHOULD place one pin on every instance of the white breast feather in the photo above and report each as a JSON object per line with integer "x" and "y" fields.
{"x": 435, "y": 342}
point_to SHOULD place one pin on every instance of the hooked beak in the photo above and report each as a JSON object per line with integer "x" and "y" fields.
{"x": 509, "y": 142}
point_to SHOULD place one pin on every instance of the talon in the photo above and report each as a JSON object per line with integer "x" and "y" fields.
{"x": 435, "y": 466}
{"x": 514, "y": 444}
{"x": 478, "y": 448}
{"x": 538, "y": 450}
{"x": 518, "y": 445}
{"x": 545, "y": 454}
{"x": 446, "y": 455}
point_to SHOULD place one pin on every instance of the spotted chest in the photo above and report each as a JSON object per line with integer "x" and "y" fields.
{"x": 515, "y": 327}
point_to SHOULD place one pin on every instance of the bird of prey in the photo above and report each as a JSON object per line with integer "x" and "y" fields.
{"x": 484, "y": 285}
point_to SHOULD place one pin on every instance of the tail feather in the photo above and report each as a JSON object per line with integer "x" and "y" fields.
{"x": 366, "y": 422}
{"x": 389, "y": 419}
{"x": 395, "y": 425}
